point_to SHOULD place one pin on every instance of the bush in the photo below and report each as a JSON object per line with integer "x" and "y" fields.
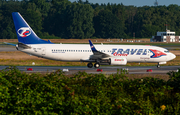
{"x": 55, "y": 93}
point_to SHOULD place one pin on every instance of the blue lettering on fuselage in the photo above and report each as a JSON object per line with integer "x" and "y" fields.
{"x": 114, "y": 50}
{"x": 117, "y": 52}
{"x": 145, "y": 52}
{"x": 120, "y": 51}
{"x": 139, "y": 52}
{"x": 126, "y": 51}
{"x": 133, "y": 51}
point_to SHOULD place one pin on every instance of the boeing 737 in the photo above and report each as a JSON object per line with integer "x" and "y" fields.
{"x": 30, "y": 43}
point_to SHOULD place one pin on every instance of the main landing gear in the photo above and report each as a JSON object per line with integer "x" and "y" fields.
{"x": 96, "y": 65}
{"x": 90, "y": 65}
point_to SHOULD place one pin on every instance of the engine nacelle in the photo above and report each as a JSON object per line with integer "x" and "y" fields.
{"x": 118, "y": 61}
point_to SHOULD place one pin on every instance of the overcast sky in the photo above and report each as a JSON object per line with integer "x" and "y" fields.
{"x": 135, "y": 2}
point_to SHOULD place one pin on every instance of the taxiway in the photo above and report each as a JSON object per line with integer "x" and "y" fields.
{"x": 105, "y": 69}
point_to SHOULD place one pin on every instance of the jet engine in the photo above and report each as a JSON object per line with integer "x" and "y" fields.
{"x": 118, "y": 61}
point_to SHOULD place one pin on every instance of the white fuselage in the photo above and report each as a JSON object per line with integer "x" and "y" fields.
{"x": 80, "y": 52}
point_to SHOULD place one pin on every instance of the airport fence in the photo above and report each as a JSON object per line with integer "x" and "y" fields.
{"x": 55, "y": 93}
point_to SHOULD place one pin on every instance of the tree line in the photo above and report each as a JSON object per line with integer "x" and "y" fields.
{"x": 81, "y": 19}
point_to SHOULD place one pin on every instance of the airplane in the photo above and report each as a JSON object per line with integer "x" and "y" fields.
{"x": 30, "y": 43}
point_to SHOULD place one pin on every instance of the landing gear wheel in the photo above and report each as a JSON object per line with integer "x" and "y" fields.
{"x": 158, "y": 66}
{"x": 89, "y": 65}
{"x": 96, "y": 65}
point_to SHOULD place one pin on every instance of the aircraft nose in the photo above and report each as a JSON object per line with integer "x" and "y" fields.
{"x": 173, "y": 56}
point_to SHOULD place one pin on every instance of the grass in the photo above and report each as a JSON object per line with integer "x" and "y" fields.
{"x": 39, "y": 62}
{"x": 45, "y": 62}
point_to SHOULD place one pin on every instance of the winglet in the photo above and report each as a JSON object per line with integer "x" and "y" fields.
{"x": 92, "y": 46}
{"x": 95, "y": 52}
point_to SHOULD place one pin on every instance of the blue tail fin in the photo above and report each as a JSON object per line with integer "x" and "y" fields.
{"x": 24, "y": 32}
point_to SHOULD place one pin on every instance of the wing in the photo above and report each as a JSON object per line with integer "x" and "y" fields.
{"x": 97, "y": 54}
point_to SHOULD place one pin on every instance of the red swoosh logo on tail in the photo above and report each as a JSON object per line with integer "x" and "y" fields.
{"x": 26, "y": 32}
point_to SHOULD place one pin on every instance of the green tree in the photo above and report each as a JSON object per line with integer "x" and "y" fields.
{"x": 42, "y": 5}
{"x": 55, "y": 22}
{"x": 70, "y": 20}
{"x": 79, "y": 21}
{"x": 119, "y": 11}
{"x": 7, "y": 26}
{"x": 108, "y": 25}
{"x": 33, "y": 18}
{"x": 149, "y": 30}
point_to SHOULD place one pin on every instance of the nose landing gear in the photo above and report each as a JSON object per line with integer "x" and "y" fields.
{"x": 158, "y": 66}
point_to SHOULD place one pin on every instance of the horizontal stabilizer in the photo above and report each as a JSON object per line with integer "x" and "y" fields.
{"x": 10, "y": 44}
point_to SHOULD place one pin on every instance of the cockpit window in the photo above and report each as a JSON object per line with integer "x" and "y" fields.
{"x": 166, "y": 51}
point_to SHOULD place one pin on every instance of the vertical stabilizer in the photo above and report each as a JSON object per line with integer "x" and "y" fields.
{"x": 24, "y": 32}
